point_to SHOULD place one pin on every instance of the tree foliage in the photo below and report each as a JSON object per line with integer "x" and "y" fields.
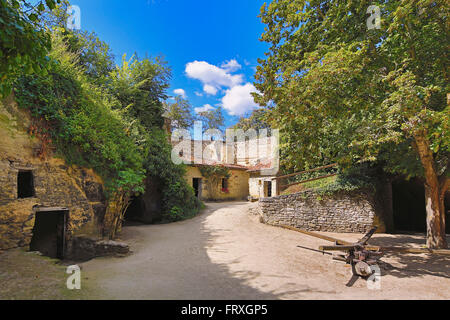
{"x": 23, "y": 42}
{"x": 139, "y": 86}
{"x": 256, "y": 120}
{"x": 212, "y": 119}
{"x": 179, "y": 113}
{"x": 80, "y": 120}
{"x": 105, "y": 117}
{"x": 353, "y": 95}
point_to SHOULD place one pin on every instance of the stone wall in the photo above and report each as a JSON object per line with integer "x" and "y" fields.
{"x": 342, "y": 212}
{"x": 55, "y": 185}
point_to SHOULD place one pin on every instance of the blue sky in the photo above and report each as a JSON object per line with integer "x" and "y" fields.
{"x": 212, "y": 46}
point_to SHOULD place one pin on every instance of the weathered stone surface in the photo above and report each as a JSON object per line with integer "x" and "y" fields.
{"x": 55, "y": 185}
{"x": 342, "y": 212}
{"x": 85, "y": 248}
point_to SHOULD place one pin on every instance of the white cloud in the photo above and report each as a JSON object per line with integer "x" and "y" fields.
{"x": 180, "y": 92}
{"x": 206, "y": 107}
{"x": 212, "y": 76}
{"x": 231, "y": 65}
{"x": 238, "y": 100}
{"x": 210, "y": 89}
{"x": 198, "y": 94}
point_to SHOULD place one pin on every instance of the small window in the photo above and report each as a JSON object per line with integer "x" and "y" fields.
{"x": 224, "y": 185}
{"x": 25, "y": 184}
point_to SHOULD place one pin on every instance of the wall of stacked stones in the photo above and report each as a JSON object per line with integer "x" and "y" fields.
{"x": 342, "y": 212}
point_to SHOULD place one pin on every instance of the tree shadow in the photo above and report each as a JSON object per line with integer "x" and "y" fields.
{"x": 406, "y": 265}
{"x": 173, "y": 262}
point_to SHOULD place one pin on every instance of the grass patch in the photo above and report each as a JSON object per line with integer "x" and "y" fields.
{"x": 29, "y": 276}
{"x": 312, "y": 185}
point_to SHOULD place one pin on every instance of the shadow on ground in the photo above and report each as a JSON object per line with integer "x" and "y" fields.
{"x": 412, "y": 265}
{"x": 171, "y": 262}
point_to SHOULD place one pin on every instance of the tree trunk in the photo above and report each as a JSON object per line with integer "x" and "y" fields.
{"x": 434, "y": 195}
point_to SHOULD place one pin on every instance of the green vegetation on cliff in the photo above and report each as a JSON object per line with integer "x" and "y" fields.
{"x": 102, "y": 116}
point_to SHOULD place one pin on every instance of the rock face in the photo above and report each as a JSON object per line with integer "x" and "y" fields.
{"x": 85, "y": 248}
{"x": 342, "y": 212}
{"x": 27, "y": 182}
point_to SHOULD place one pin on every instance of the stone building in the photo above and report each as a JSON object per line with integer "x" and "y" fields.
{"x": 44, "y": 204}
{"x": 233, "y": 188}
{"x": 248, "y": 167}
{"x": 261, "y": 186}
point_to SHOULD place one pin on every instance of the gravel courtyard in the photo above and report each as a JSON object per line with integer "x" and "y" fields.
{"x": 226, "y": 253}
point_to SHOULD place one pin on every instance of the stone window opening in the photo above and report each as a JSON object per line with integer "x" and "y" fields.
{"x": 225, "y": 185}
{"x": 25, "y": 184}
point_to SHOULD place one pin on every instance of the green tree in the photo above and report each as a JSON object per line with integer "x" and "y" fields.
{"x": 353, "y": 95}
{"x": 24, "y": 44}
{"x": 212, "y": 119}
{"x": 180, "y": 113}
{"x": 256, "y": 120}
{"x": 94, "y": 55}
{"x": 140, "y": 86}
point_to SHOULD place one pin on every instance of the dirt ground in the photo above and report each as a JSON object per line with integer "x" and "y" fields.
{"x": 30, "y": 276}
{"x": 225, "y": 253}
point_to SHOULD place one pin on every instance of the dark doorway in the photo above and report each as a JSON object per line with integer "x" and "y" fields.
{"x": 25, "y": 184}
{"x": 268, "y": 189}
{"x": 409, "y": 205}
{"x": 447, "y": 212}
{"x": 197, "y": 185}
{"x": 135, "y": 209}
{"x": 49, "y": 233}
{"x": 148, "y": 207}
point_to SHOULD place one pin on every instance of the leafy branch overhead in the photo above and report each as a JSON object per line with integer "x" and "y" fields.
{"x": 24, "y": 42}
{"x": 347, "y": 94}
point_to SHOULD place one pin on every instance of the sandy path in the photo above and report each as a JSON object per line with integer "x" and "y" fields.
{"x": 225, "y": 253}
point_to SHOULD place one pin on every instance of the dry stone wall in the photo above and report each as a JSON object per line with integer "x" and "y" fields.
{"x": 341, "y": 212}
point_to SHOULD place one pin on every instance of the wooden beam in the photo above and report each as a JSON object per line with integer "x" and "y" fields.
{"x": 316, "y": 235}
{"x": 445, "y": 252}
